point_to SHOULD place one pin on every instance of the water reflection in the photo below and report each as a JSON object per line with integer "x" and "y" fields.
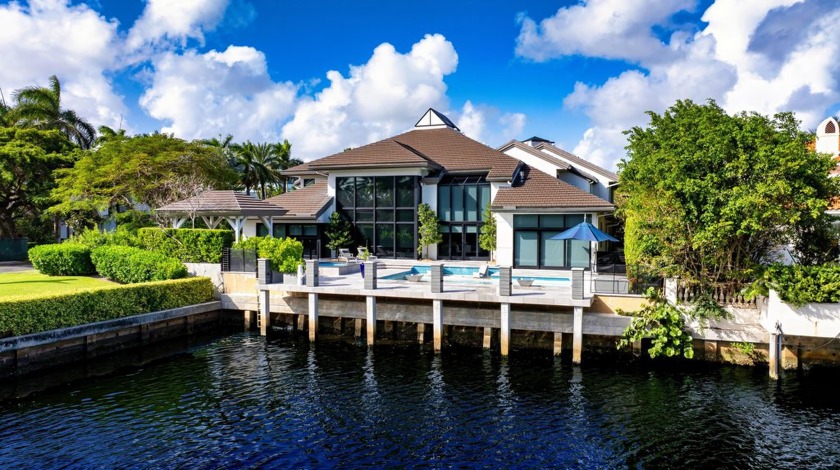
{"x": 242, "y": 401}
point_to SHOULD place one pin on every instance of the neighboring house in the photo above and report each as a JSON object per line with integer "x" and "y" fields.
{"x": 828, "y": 141}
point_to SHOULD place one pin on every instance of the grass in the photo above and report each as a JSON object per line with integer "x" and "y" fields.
{"x": 34, "y": 283}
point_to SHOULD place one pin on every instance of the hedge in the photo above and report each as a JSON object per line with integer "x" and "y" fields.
{"x": 286, "y": 254}
{"x": 799, "y": 285}
{"x": 128, "y": 265}
{"x": 65, "y": 259}
{"x": 32, "y": 314}
{"x": 187, "y": 245}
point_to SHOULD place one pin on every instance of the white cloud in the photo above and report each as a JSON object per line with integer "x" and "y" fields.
{"x": 75, "y": 43}
{"x": 203, "y": 95}
{"x": 784, "y": 71}
{"x": 164, "y": 20}
{"x": 610, "y": 29}
{"x": 378, "y": 99}
{"x": 487, "y": 124}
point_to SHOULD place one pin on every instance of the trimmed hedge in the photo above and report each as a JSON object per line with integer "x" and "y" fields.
{"x": 32, "y": 314}
{"x": 286, "y": 254}
{"x": 799, "y": 285}
{"x": 64, "y": 259}
{"x": 187, "y": 245}
{"x": 128, "y": 265}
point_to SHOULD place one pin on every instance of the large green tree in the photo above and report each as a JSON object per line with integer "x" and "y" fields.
{"x": 28, "y": 158}
{"x": 40, "y": 107}
{"x": 259, "y": 165}
{"x": 708, "y": 196}
{"x": 126, "y": 171}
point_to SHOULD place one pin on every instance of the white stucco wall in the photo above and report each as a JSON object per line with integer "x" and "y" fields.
{"x": 818, "y": 320}
{"x": 828, "y": 143}
{"x": 504, "y": 239}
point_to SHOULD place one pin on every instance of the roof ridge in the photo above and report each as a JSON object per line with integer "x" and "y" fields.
{"x": 581, "y": 161}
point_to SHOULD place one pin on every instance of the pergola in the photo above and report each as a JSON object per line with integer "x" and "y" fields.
{"x": 215, "y": 206}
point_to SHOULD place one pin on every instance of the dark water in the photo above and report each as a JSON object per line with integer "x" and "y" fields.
{"x": 243, "y": 402}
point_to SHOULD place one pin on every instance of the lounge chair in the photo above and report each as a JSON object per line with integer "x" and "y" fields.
{"x": 345, "y": 255}
{"x": 364, "y": 254}
{"x": 482, "y": 271}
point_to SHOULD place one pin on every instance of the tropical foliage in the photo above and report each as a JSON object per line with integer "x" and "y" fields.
{"x": 799, "y": 285}
{"x": 707, "y": 196}
{"x": 487, "y": 238}
{"x": 40, "y": 107}
{"x": 285, "y": 254}
{"x": 338, "y": 233}
{"x": 663, "y": 323}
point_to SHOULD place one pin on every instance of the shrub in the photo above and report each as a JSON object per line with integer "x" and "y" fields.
{"x": 65, "y": 259}
{"x": 286, "y": 254}
{"x": 24, "y": 315}
{"x": 92, "y": 237}
{"x": 799, "y": 285}
{"x": 187, "y": 245}
{"x": 128, "y": 265}
{"x": 663, "y": 323}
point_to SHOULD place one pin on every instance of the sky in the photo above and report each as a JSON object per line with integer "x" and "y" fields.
{"x": 328, "y": 75}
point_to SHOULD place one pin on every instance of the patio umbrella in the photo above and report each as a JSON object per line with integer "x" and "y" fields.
{"x": 584, "y": 231}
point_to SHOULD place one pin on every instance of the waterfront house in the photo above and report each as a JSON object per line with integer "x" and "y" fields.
{"x": 828, "y": 141}
{"x": 377, "y": 188}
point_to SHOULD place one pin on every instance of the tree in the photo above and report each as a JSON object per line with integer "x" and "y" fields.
{"x": 707, "y": 196}
{"x": 339, "y": 232}
{"x": 487, "y": 238}
{"x": 28, "y": 158}
{"x": 138, "y": 170}
{"x": 429, "y": 226}
{"x": 40, "y": 107}
{"x": 285, "y": 161}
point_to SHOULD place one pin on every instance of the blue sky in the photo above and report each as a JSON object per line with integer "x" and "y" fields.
{"x": 328, "y": 75}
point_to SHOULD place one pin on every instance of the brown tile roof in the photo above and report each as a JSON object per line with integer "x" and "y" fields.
{"x": 308, "y": 202}
{"x": 536, "y": 153}
{"x": 222, "y": 203}
{"x": 299, "y": 170}
{"x": 426, "y": 148}
{"x": 540, "y": 190}
{"x": 574, "y": 160}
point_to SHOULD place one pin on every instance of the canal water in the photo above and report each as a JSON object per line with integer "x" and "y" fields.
{"x": 241, "y": 401}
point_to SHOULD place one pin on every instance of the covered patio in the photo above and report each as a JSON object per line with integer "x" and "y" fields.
{"x": 216, "y": 206}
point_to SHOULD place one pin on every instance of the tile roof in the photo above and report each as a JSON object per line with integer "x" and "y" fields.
{"x": 425, "y": 148}
{"x": 540, "y": 190}
{"x": 579, "y": 162}
{"x": 222, "y": 203}
{"x": 308, "y": 202}
{"x": 545, "y": 156}
{"x": 299, "y": 170}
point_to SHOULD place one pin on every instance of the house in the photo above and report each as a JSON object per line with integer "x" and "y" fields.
{"x": 828, "y": 141}
{"x": 533, "y": 189}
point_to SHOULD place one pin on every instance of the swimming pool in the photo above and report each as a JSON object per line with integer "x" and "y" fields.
{"x": 464, "y": 275}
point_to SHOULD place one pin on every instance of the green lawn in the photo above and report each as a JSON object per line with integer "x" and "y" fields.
{"x": 33, "y": 283}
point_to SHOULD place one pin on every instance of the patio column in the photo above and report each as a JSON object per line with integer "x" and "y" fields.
{"x": 178, "y": 222}
{"x": 269, "y": 224}
{"x": 237, "y": 223}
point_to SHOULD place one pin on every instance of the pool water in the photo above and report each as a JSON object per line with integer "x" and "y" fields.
{"x": 464, "y": 274}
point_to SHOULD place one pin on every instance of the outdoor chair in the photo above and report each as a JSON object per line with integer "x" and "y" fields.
{"x": 345, "y": 255}
{"x": 482, "y": 271}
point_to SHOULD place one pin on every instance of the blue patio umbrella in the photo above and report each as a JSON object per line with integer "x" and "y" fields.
{"x": 584, "y": 231}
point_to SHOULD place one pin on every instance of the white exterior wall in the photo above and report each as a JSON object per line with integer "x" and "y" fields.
{"x": 828, "y": 143}
{"x": 818, "y": 320}
{"x": 504, "y": 239}
{"x": 532, "y": 161}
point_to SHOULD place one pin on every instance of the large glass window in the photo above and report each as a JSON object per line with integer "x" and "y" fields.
{"x": 461, "y": 203}
{"x": 533, "y": 246}
{"x": 383, "y": 210}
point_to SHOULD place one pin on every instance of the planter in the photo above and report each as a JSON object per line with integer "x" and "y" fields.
{"x": 525, "y": 282}
{"x": 413, "y": 277}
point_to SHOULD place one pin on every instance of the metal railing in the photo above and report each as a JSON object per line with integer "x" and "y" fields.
{"x": 239, "y": 260}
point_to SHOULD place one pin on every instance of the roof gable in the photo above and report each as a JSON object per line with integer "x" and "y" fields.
{"x": 222, "y": 203}
{"x": 578, "y": 162}
{"x": 434, "y": 120}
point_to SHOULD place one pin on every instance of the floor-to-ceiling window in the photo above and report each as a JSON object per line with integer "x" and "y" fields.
{"x": 461, "y": 203}
{"x": 310, "y": 235}
{"x": 383, "y": 211}
{"x": 534, "y": 248}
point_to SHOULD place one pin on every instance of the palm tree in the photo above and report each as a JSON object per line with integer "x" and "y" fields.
{"x": 40, "y": 107}
{"x": 106, "y": 133}
{"x": 247, "y": 163}
{"x": 285, "y": 161}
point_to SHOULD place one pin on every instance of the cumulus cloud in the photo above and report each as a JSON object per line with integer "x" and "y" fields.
{"x": 610, "y": 29}
{"x": 745, "y": 58}
{"x": 378, "y": 99}
{"x": 73, "y": 42}
{"x": 203, "y": 95}
{"x": 164, "y": 20}
{"x": 487, "y": 124}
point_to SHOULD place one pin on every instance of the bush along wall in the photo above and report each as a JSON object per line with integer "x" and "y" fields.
{"x": 65, "y": 259}
{"x": 186, "y": 245}
{"x": 799, "y": 285}
{"x": 128, "y": 265}
{"x": 286, "y": 254}
{"x": 25, "y": 315}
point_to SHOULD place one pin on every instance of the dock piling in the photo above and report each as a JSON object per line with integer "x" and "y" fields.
{"x": 313, "y": 316}
{"x": 505, "y": 330}
{"x": 577, "y": 338}
{"x": 437, "y": 323}
{"x": 371, "y": 319}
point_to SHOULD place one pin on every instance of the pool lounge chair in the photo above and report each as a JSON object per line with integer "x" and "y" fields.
{"x": 345, "y": 255}
{"x": 482, "y": 271}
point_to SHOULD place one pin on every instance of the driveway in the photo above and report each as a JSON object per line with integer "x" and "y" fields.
{"x": 15, "y": 266}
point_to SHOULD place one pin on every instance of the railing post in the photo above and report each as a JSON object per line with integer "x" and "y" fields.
{"x": 437, "y": 278}
{"x": 263, "y": 271}
{"x": 505, "y": 280}
{"x": 370, "y": 275}
{"x": 577, "y": 283}
{"x": 312, "y": 273}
